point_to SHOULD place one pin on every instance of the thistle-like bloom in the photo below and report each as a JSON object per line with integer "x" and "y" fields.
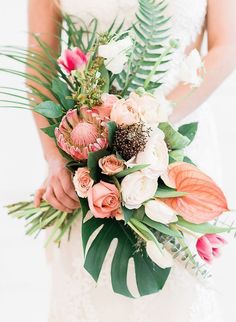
{"x": 81, "y": 132}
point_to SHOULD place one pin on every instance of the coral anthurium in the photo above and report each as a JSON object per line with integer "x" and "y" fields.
{"x": 204, "y": 200}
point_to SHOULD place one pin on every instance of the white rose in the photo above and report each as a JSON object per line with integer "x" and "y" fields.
{"x": 155, "y": 154}
{"x": 160, "y": 212}
{"x": 190, "y": 68}
{"x": 159, "y": 256}
{"x": 115, "y": 54}
{"x": 153, "y": 110}
{"x": 136, "y": 188}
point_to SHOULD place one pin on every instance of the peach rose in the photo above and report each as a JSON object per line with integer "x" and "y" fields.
{"x": 125, "y": 112}
{"x": 110, "y": 165}
{"x": 82, "y": 182}
{"x": 104, "y": 200}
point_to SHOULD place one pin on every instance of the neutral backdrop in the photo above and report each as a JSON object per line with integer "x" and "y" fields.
{"x": 24, "y": 273}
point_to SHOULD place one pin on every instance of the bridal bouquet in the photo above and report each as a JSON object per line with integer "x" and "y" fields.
{"x": 128, "y": 163}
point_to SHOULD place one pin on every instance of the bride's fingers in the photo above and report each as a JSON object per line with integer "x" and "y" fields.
{"x": 38, "y": 197}
{"x": 63, "y": 197}
{"x": 50, "y": 197}
{"x": 69, "y": 188}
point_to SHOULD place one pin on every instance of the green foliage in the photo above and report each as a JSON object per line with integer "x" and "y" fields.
{"x": 149, "y": 32}
{"x": 174, "y": 139}
{"x": 93, "y": 163}
{"x": 149, "y": 277}
{"x": 111, "y": 132}
{"x": 205, "y": 228}
{"x": 50, "y": 130}
{"x": 135, "y": 168}
{"x": 166, "y": 192}
{"x": 49, "y": 109}
{"x": 189, "y": 130}
{"x": 161, "y": 228}
{"x": 61, "y": 90}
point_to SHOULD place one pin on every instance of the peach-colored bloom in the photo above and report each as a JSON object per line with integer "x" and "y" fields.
{"x": 125, "y": 112}
{"x": 82, "y": 182}
{"x": 104, "y": 110}
{"x": 73, "y": 59}
{"x": 111, "y": 165}
{"x": 81, "y": 133}
{"x": 208, "y": 246}
{"x": 104, "y": 200}
{"x": 204, "y": 200}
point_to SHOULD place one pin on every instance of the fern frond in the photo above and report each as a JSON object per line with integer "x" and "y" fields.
{"x": 149, "y": 34}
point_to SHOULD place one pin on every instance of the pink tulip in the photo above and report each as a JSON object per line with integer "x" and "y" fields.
{"x": 72, "y": 59}
{"x": 208, "y": 246}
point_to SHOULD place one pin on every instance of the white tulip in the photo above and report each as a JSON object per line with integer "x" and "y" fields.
{"x": 159, "y": 256}
{"x": 160, "y": 212}
{"x": 155, "y": 154}
{"x": 190, "y": 68}
{"x": 136, "y": 188}
{"x": 115, "y": 54}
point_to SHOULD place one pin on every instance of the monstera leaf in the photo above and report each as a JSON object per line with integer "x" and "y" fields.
{"x": 149, "y": 277}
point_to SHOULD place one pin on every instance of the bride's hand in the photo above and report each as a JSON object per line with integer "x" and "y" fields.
{"x": 58, "y": 189}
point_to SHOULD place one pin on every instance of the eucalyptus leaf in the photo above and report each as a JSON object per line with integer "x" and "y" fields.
{"x": 49, "y": 109}
{"x": 177, "y": 155}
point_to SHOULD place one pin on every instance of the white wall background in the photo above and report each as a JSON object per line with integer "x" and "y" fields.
{"x": 24, "y": 277}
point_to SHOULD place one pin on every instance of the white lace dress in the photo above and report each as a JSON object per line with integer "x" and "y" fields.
{"x": 75, "y": 296}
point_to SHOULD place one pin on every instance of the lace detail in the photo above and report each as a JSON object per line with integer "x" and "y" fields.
{"x": 75, "y": 296}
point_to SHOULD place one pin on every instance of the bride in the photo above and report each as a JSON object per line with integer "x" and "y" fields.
{"x": 75, "y": 297}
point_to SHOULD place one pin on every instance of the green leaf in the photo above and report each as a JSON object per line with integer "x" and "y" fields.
{"x": 105, "y": 76}
{"x": 205, "y": 228}
{"x": 189, "y": 130}
{"x": 174, "y": 139}
{"x": 50, "y": 131}
{"x": 161, "y": 228}
{"x": 84, "y": 206}
{"x": 62, "y": 92}
{"x": 139, "y": 213}
{"x": 127, "y": 213}
{"x": 188, "y": 160}
{"x": 136, "y": 168}
{"x": 177, "y": 155}
{"x": 149, "y": 277}
{"x": 169, "y": 193}
{"x": 111, "y": 132}
{"x": 93, "y": 159}
{"x": 49, "y": 109}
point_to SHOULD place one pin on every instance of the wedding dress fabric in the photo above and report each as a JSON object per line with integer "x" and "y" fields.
{"x": 75, "y": 296}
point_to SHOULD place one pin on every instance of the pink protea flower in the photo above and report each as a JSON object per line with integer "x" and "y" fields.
{"x": 208, "y": 246}
{"x": 72, "y": 59}
{"x": 81, "y": 132}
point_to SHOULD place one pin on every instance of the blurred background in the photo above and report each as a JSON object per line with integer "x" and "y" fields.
{"x": 24, "y": 273}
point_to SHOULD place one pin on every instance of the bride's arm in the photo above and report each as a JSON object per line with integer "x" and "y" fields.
{"x": 219, "y": 62}
{"x": 44, "y": 19}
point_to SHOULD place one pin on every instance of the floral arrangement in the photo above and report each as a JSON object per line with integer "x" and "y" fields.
{"x": 128, "y": 163}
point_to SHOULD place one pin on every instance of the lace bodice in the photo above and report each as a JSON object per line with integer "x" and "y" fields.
{"x": 75, "y": 297}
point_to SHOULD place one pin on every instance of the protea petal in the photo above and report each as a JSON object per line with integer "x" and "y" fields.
{"x": 204, "y": 201}
{"x": 81, "y": 133}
